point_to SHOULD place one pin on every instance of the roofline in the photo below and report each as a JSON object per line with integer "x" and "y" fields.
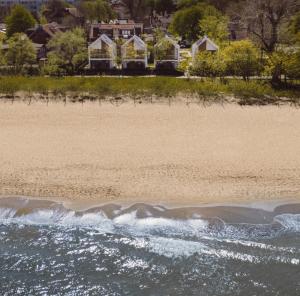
{"x": 170, "y": 39}
{"x": 100, "y": 38}
{"x": 205, "y": 38}
{"x": 133, "y": 38}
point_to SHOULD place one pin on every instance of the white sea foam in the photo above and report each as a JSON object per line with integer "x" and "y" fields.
{"x": 171, "y": 247}
{"x": 175, "y": 248}
{"x": 181, "y": 248}
{"x": 129, "y": 223}
{"x": 63, "y": 218}
{"x": 149, "y": 224}
{"x": 137, "y": 263}
{"x": 289, "y": 221}
{"x": 250, "y": 244}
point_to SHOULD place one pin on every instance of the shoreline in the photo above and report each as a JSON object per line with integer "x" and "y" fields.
{"x": 259, "y": 204}
{"x": 41, "y": 211}
{"x": 92, "y": 154}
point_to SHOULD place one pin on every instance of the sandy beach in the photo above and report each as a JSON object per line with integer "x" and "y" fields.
{"x": 89, "y": 154}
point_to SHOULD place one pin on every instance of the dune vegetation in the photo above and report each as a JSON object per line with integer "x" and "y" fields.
{"x": 147, "y": 89}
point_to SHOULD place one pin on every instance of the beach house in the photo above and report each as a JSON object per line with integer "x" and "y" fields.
{"x": 134, "y": 54}
{"x": 102, "y": 53}
{"x": 204, "y": 44}
{"x": 167, "y": 54}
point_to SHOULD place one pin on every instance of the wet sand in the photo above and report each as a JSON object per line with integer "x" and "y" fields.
{"x": 90, "y": 154}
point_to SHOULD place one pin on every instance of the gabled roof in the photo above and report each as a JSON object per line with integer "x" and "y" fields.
{"x": 51, "y": 29}
{"x": 210, "y": 45}
{"x": 169, "y": 39}
{"x": 139, "y": 44}
{"x": 98, "y": 43}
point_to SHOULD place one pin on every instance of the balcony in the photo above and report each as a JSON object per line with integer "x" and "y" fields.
{"x": 100, "y": 55}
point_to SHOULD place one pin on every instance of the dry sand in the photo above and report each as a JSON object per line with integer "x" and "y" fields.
{"x": 90, "y": 154}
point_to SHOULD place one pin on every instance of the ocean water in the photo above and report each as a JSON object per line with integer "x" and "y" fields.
{"x": 46, "y": 249}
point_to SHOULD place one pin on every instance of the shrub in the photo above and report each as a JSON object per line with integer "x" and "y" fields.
{"x": 140, "y": 87}
{"x": 242, "y": 59}
{"x": 208, "y": 64}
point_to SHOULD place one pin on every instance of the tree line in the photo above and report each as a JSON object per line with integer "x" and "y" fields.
{"x": 272, "y": 27}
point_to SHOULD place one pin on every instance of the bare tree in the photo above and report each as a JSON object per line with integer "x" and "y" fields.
{"x": 264, "y": 19}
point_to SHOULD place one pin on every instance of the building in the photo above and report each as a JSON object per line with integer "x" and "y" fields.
{"x": 134, "y": 54}
{"x": 116, "y": 29}
{"x": 69, "y": 17}
{"x": 167, "y": 53}
{"x": 102, "y": 54}
{"x": 41, "y": 34}
{"x": 204, "y": 44}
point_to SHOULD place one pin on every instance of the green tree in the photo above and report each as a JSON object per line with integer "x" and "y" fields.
{"x": 2, "y": 37}
{"x": 68, "y": 53}
{"x": 242, "y": 59}
{"x": 278, "y": 63}
{"x": 208, "y": 64}
{"x": 20, "y": 52}
{"x": 185, "y": 21}
{"x": 96, "y": 10}
{"x": 19, "y": 20}
{"x": 215, "y": 27}
{"x": 1, "y": 53}
{"x": 293, "y": 69}
{"x": 294, "y": 27}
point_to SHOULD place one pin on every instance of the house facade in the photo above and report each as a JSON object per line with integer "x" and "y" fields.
{"x": 116, "y": 29}
{"x": 102, "y": 54}
{"x": 167, "y": 54}
{"x": 134, "y": 54}
{"x": 204, "y": 44}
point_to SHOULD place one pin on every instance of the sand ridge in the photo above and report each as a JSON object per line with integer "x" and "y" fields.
{"x": 93, "y": 154}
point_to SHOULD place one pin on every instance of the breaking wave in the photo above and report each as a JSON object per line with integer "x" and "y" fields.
{"x": 180, "y": 249}
{"x": 142, "y": 219}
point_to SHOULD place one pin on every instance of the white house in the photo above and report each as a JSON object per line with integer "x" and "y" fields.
{"x": 102, "y": 53}
{"x": 134, "y": 53}
{"x": 204, "y": 44}
{"x": 167, "y": 54}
